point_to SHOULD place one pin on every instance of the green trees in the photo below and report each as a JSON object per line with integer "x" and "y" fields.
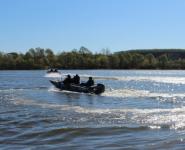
{"x": 149, "y": 61}
{"x": 125, "y": 60}
{"x": 137, "y": 61}
{"x": 50, "y": 58}
{"x": 163, "y": 61}
{"x": 114, "y": 61}
{"x": 39, "y": 58}
{"x": 102, "y": 61}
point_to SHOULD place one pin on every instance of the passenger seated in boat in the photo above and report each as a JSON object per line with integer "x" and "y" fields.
{"x": 55, "y": 70}
{"x": 50, "y": 70}
{"x": 90, "y": 82}
{"x": 76, "y": 79}
{"x": 67, "y": 80}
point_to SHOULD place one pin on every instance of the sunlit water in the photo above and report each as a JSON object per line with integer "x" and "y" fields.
{"x": 139, "y": 110}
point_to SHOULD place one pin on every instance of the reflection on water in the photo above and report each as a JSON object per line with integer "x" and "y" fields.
{"x": 145, "y": 105}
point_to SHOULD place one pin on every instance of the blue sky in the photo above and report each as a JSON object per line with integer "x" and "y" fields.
{"x": 95, "y": 24}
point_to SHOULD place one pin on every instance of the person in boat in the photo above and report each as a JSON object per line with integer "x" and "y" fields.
{"x": 55, "y": 70}
{"x": 67, "y": 80}
{"x": 76, "y": 79}
{"x": 50, "y": 70}
{"x": 89, "y": 83}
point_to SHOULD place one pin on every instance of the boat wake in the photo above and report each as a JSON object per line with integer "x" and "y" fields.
{"x": 158, "y": 79}
{"x": 126, "y": 93}
{"x": 122, "y": 93}
{"x": 156, "y": 118}
{"x": 22, "y": 89}
{"x": 53, "y": 75}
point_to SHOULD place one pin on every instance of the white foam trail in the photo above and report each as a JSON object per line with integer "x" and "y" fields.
{"x": 11, "y": 90}
{"x": 173, "y": 80}
{"x": 53, "y": 75}
{"x": 126, "y": 93}
{"x": 122, "y": 93}
{"x": 159, "y": 79}
{"x": 174, "y": 118}
{"x": 53, "y": 89}
{"x": 155, "y": 127}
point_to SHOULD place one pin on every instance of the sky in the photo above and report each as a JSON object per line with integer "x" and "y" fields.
{"x": 63, "y": 25}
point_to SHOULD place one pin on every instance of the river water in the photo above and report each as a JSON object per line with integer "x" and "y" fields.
{"x": 138, "y": 110}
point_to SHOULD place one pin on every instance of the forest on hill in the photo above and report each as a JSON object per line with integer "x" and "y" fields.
{"x": 83, "y": 58}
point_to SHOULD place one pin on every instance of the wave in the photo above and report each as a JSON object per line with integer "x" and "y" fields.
{"x": 131, "y": 93}
{"x": 122, "y": 93}
{"x": 159, "y": 79}
{"x": 21, "y": 89}
{"x": 156, "y": 118}
{"x": 173, "y": 80}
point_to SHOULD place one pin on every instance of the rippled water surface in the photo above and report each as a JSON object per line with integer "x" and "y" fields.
{"x": 139, "y": 110}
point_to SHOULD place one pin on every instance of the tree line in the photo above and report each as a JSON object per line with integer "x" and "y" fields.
{"x": 83, "y": 58}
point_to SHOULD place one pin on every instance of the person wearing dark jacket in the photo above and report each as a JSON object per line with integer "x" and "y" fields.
{"x": 76, "y": 79}
{"x": 90, "y": 82}
{"x": 67, "y": 80}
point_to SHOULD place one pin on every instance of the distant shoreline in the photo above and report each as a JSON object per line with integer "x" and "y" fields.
{"x": 84, "y": 59}
{"x": 93, "y": 69}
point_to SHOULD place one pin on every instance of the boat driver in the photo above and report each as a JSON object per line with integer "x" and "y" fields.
{"x": 90, "y": 82}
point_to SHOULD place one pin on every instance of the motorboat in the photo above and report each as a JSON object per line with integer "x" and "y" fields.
{"x": 53, "y": 70}
{"x": 95, "y": 89}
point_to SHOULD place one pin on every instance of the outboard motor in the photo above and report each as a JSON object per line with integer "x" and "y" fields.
{"x": 100, "y": 88}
